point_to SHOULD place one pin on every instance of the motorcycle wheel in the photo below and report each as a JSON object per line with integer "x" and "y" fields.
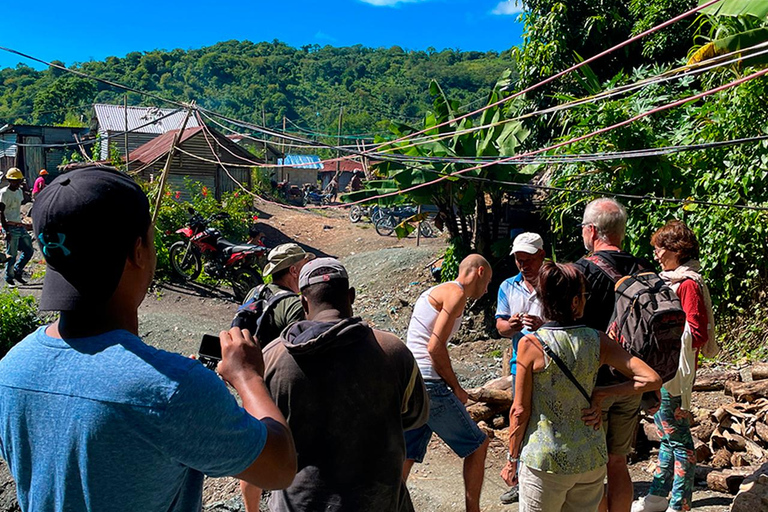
{"x": 244, "y": 280}
{"x": 355, "y": 214}
{"x": 386, "y": 225}
{"x": 185, "y": 262}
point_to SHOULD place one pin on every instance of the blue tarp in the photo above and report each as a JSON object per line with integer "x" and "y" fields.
{"x": 301, "y": 161}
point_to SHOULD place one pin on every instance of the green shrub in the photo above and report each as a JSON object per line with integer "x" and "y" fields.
{"x": 454, "y": 254}
{"x": 18, "y": 318}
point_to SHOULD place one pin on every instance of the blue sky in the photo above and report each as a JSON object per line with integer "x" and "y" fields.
{"x": 81, "y": 31}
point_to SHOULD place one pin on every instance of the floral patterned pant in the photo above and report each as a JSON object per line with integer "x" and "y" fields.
{"x": 677, "y": 458}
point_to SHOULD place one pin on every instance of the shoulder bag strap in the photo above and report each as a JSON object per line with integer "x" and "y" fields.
{"x": 605, "y": 267}
{"x": 559, "y": 362}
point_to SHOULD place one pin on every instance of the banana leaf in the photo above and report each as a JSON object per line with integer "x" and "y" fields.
{"x": 734, "y": 43}
{"x": 756, "y": 8}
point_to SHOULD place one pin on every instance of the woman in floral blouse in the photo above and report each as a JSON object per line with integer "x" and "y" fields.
{"x": 555, "y": 433}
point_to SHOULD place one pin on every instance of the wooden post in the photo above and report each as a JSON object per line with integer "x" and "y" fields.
{"x": 125, "y": 108}
{"x": 167, "y": 168}
{"x": 418, "y": 227}
{"x": 338, "y": 143}
{"x": 282, "y": 149}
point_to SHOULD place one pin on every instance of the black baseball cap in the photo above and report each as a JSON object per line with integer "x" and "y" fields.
{"x": 87, "y": 221}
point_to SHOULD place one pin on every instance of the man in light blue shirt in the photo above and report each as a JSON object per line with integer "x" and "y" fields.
{"x": 518, "y": 310}
{"x": 93, "y": 419}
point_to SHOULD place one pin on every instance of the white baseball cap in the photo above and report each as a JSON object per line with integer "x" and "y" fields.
{"x": 530, "y": 243}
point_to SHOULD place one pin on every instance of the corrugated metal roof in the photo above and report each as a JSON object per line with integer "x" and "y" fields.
{"x": 8, "y": 145}
{"x": 301, "y": 161}
{"x": 344, "y": 166}
{"x": 112, "y": 118}
{"x": 160, "y": 146}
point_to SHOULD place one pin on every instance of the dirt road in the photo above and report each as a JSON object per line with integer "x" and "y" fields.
{"x": 388, "y": 274}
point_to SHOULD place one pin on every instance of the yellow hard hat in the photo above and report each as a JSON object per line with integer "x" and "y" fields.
{"x": 14, "y": 174}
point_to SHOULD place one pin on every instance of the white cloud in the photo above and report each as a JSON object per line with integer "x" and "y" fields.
{"x": 322, "y": 36}
{"x": 387, "y": 3}
{"x": 509, "y": 8}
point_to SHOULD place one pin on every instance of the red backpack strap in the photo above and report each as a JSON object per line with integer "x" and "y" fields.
{"x": 606, "y": 268}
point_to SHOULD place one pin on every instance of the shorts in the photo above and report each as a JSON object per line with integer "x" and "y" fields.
{"x": 544, "y": 492}
{"x": 449, "y": 419}
{"x": 620, "y": 417}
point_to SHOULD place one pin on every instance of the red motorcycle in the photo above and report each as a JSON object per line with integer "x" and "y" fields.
{"x": 205, "y": 249}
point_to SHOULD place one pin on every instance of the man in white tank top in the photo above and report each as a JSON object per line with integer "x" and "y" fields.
{"x": 436, "y": 317}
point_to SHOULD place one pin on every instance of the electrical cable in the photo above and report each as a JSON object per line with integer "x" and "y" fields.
{"x": 91, "y": 141}
{"x": 91, "y": 77}
{"x": 571, "y": 141}
{"x": 644, "y": 197}
{"x": 690, "y": 70}
{"x": 568, "y": 70}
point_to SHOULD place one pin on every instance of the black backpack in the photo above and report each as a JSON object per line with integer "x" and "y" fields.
{"x": 648, "y": 320}
{"x": 257, "y": 306}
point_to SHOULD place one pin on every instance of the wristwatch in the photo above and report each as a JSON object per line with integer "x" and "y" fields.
{"x": 510, "y": 458}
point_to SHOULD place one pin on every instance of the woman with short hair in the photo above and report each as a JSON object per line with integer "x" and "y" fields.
{"x": 562, "y": 450}
{"x": 676, "y": 249}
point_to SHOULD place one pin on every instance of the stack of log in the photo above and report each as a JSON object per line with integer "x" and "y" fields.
{"x": 489, "y": 406}
{"x": 732, "y": 440}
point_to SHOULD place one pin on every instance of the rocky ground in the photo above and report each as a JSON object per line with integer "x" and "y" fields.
{"x": 389, "y": 275}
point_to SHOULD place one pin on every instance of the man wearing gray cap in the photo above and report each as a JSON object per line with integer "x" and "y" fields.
{"x": 270, "y": 308}
{"x": 348, "y": 392}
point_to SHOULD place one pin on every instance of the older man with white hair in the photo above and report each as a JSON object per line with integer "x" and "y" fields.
{"x": 603, "y": 229}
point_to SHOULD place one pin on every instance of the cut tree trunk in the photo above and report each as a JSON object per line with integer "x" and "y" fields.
{"x": 760, "y": 371}
{"x": 747, "y": 391}
{"x": 703, "y": 452}
{"x": 715, "y": 380}
{"x": 484, "y": 412}
{"x": 729, "y": 480}
{"x": 721, "y": 459}
{"x": 491, "y": 396}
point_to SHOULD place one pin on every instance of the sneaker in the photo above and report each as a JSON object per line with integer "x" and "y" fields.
{"x": 20, "y": 279}
{"x": 9, "y": 281}
{"x": 650, "y": 503}
{"x": 511, "y": 496}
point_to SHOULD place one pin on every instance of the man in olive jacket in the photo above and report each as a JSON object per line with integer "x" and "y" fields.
{"x": 348, "y": 392}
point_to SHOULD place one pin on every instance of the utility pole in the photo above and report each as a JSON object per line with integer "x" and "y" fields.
{"x": 125, "y": 107}
{"x": 167, "y": 168}
{"x": 338, "y": 143}
{"x": 283, "y": 145}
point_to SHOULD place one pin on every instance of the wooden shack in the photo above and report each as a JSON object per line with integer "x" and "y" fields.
{"x": 24, "y": 146}
{"x": 197, "y": 159}
{"x": 298, "y": 169}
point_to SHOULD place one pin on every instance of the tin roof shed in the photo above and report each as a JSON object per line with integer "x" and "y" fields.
{"x": 111, "y": 118}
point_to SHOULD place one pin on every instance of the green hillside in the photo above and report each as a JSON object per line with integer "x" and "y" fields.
{"x": 262, "y": 81}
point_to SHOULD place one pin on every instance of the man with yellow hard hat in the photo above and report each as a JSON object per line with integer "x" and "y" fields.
{"x": 16, "y": 235}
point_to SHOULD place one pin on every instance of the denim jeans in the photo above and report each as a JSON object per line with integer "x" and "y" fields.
{"x": 20, "y": 241}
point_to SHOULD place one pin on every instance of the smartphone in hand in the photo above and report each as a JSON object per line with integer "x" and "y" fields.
{"x": 210, "y": 351}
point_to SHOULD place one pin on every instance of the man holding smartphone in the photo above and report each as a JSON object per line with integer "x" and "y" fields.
{"x": 93, "y": 418}
{"x": 518, "y": 310}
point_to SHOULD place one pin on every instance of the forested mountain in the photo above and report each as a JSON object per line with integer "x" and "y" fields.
{"x": 262, "y": 81}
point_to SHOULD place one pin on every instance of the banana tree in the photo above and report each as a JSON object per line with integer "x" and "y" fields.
{"x": 458, "y": 195}
{"x": 735, "y": 25}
